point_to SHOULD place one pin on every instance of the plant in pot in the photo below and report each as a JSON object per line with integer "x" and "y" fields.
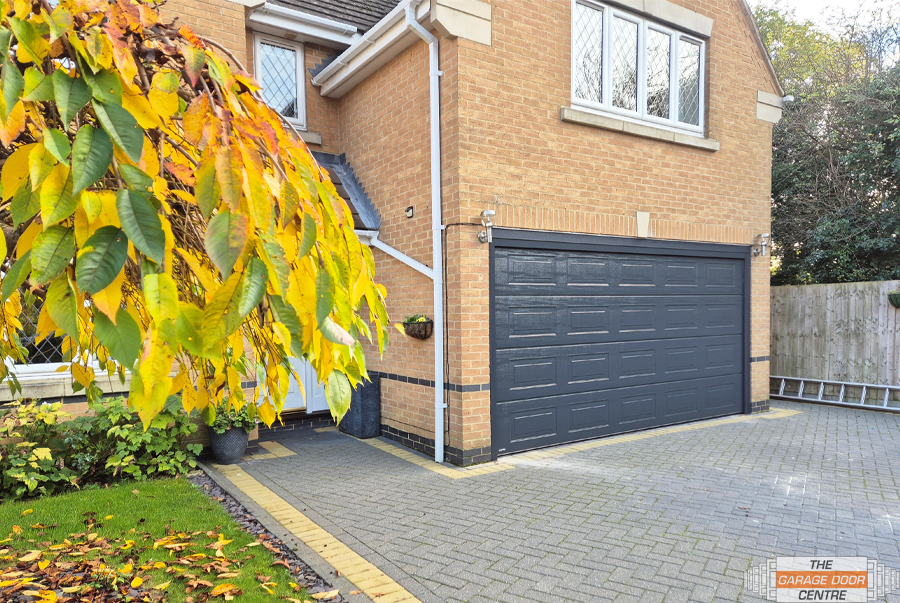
{"x": 894, "y": 298}
{"x": 418, "y": 326}
{"x": 230, "y": 430}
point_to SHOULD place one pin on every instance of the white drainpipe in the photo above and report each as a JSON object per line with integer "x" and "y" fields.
{"x": 436, "y": 228}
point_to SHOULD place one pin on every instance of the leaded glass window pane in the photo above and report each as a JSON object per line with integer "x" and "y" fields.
{"x": 278, "y": 77}
{"x": 624, "y": 72}
{"x": 689, "y": 82}
{"x": 658, "y": 47}
{"x": 588, "y": 53}
{"x": 47, "y": 350}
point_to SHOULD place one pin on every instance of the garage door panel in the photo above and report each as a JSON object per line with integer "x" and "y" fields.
{"x": 578, "y": 273}
{"x": 533, "y": 423}
{"x": 569, "y": 369}
{"x": 534, "y": 320}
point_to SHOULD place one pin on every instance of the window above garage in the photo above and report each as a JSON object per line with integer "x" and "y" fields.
{"x": 636, "y": 69}
{"x": 279, "y": 70}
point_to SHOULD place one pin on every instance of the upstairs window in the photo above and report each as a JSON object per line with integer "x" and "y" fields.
{"x": 635, "y": 68}
{"x": 279, "y": 70}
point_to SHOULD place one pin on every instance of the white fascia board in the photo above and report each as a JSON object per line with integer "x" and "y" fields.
{"x": 277, "y": 21}
{"x": 387, "y": 38}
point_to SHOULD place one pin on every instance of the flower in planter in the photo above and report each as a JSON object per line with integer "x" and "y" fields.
{"x": 415, "y": 318}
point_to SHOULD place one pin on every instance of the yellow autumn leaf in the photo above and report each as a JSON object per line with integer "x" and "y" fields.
{"x": 162, "y": 585}
{"x": 15, "y": 170}
{"x": 137, "y": 582}
{"x": 142, "y": 110}
{"x": 221, "y": 589}
{"x": 43, "y": 454}
{"x": 42, "y": 565}
{"x": 27, "y": 239}
{"x": 109, "y": 300}
{"x": 159, "y": 565}
{"x": 33, "y": 555}
{"x": 27, "y": 512}
{"x": 331, "y": 594}
{"x": 107, "y": 518}
{"x": 163, "y": 95}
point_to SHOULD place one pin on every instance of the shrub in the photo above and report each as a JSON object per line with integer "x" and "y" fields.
{"x": 44, "y": 454}
{"x": 228, "y": 417}
{"x": 28, "y": 438}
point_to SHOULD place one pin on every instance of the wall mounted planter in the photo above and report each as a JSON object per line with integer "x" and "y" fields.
{"x": 419, "y": 330}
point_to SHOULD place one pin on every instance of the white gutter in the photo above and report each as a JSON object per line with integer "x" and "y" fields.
{"x": 277, "y": 20}
{"x": 385, "y": 40}
{"x": 370, "y": 238}
{"x": 437, "y": 255}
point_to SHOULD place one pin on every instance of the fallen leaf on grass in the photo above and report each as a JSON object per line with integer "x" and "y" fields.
{"x": 162, "y": 585}
{"x": 331, "y": 594}
{"x": 222, "y": 589}
{"x": 27, "y": 511}
{"x": 30, "y": 556}
{"x": 137, "y": 582}
{"x": 16, "y": 530}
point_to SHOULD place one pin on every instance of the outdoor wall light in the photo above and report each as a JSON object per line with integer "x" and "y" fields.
{"x": 485, "y": 235}
{"x": 409, "y": 211}
{"x": 759, "y": 244}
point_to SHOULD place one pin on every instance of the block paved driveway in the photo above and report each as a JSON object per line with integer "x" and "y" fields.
{"x": 678, "y": 517}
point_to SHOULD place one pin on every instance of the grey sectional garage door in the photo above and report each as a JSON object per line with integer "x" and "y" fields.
{"x": 593, "y": 343}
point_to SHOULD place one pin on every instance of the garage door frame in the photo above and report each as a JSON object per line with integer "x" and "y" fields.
{"x": 555, "y": 241}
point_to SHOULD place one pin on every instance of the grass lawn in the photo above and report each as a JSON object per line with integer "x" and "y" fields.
{"x": 125, "y": 522}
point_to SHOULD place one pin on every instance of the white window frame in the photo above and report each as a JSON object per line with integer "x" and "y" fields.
{"x": 298, "y": 122}
{"x": 641, "y": 115}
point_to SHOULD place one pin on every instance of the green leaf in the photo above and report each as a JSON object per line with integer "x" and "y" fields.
{"x": 5, "y": 39}
{"x": 16, "y": 275}
{"x": 101, "y": 259}
{"x": 225, "y": 238}
{"x": 254, "y": 286}
{"x": 38, "y": 87}
{"x": 208, "y": 414}
{"x": 187, "y": 329}
{"x": 62, "y": 305}
{"x": 105, "y": 86}
{"x": 91, "y": 156}
{"x": 30, "y": 39}
{"x": 221, "y": 317}
{"x": 122, "y": 338}
{"x": 141, "y": 223}
{"x": 57, "y": 200}
{"x": 324, "y": 295}
{"x": 136, "y": 178}
{"x": 274, "y": 253}
{"x": 59, "y": 21}
{"x": 206, "y": 190}
{"x": 25, "y": 203}
{"x": 334, "y": 333}
{"x": 11, "y": 83}
{"x": 58, "y": 144}
{"x": 286, "y": 315}
{"x": 71, "y": 95}
{"x": 40, "y": 164}
{"x": 161, "y": 297}
{"x": 309, "y": 235}
{"x": 338, "y": 392}
{"x": 51, "y": 252}
{"x": 122, "y": 128}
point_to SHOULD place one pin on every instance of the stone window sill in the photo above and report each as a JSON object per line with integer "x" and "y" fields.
{"x": 53, "y": 386}
{"x": 605, "y": 122}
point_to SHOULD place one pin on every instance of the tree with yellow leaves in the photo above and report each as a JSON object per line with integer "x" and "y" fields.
{"x": 174, "y": 225}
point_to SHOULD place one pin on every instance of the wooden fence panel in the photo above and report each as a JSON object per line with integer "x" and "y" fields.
{"x": 840, "y": 332}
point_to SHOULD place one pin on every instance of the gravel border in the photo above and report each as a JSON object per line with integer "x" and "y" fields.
{"x": 302, "y": 573}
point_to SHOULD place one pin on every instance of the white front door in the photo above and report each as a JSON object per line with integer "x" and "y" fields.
{"x": 315, "y": 392}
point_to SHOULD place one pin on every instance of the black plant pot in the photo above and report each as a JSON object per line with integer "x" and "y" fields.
{"x": 419, "y": 330}
{"x": 229, "y": 447}
{"x": 894, "y": 298}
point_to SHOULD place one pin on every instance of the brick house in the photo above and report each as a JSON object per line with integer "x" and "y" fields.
{"x": 624, "y": 147}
